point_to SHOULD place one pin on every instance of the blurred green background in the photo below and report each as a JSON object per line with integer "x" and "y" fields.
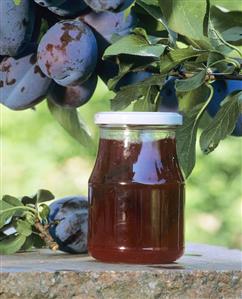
{"x": 37, "y": 153}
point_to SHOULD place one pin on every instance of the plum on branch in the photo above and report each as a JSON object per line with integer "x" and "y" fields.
{"x": 22, "y": 83}
{"x": 16, "y": 26}
{"x": 67, "y": 53}
{"x": 73, "y": 96}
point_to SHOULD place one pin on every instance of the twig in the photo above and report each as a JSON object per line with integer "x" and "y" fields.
{"x": 44, "y": 234}
{"x": 210, "y": 76}
{"x": 220, "y": 76}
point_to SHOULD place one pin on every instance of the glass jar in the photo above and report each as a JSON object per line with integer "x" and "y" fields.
{"x": 136, "y": 190}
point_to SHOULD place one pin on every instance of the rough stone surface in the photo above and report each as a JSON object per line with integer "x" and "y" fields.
{"x": 203, "y": 272}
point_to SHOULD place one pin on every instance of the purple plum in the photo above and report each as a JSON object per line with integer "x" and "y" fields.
{"x": 16, "y": 26}
{"x": 68, "y": 219}
{"x": 168, "y": 98}
{"x": 67, "y": 53}
{"x": 107, "y": 23}
{"x": 73, "y": 96}
{"x": 22, "y": 83}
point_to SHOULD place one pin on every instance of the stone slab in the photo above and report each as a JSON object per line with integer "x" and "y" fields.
{"x": 203, "y": 272}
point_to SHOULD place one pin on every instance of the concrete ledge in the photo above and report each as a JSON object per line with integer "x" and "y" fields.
{"x": 204, "y": 272}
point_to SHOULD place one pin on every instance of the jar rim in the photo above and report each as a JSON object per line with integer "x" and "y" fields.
{"x": 138, "y": 118}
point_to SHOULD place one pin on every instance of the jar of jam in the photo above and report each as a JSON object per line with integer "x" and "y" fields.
{"x": 136, "y": 190}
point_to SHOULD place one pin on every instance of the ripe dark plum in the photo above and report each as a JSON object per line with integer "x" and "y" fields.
{"x": 73, "y": 96}
{"x": 22, "y": 84}
{"x": 234, "y": 85}
{"x": 16, "y": 26}
{"x": 109, "y": 5}
{"x": 67, "y": 53}
{"x": 107, "y": 23}
{"x": 69, "y": 8}
{"x": 168, "y": 98}
{"x": 47, "y": 3}
{"x": 68, "y": 220}
{"x": 106, "y": 70}
{"x": 222, "y": 88}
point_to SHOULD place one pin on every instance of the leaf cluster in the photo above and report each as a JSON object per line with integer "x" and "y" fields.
{"x": 197, "y": 44}
{"x": 18, "y": 218}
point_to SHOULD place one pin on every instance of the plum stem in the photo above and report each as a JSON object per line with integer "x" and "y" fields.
{"x": 44, "y": 234}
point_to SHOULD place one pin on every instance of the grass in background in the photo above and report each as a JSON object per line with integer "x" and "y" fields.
{"x": 37, "y": 153}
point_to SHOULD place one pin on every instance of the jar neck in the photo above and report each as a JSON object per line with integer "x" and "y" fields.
{"x": 136, "y": 133}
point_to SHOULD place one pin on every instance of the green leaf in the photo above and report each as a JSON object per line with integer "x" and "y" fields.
{"x": 124, "y": 69}
{"x": 4, "y": 216}
{"x": 149, "y": 101}
{"x": 185, "y": 17}
{"x": 23, "y": 227}
{"x": 191, "y": 83}
{"x": 228, "y": 4}
{"x": 12, "y": 201}
{"x": 219, "y": 43}
{"x": 177, "y": 56}
{"x": 7, "y": 211}
{"x": 11, "y": 244}
{"x": 131, "y": 93}
{"x": 41, "y": 196}
{"x": 233, "y": 34}
{"x": 44, "y": 211}
{"x": 152, "y": 8}
{"x": 70, "y": 120}
{"x": 37, "y": 241}
{"x": 125, "y": 97}
{"x": 44, "y": 195}
{"x": 30, "y": 218}
{"x": 134, "y": 45}
{"x": 4, "y": 205}
{"x": 2, "y": 236}
{"x": 222, "y": 124}
{"x": 28, "y": 244}
{"x": 33, "y": 240}
{"x": 189, "y": 100}
{"x": 11, "y": 206}
{"x": 28, "y": 200}
{"x": 186, "y": 136}
{"x": 228, "y": 23}
{"x": 17, "y": 2}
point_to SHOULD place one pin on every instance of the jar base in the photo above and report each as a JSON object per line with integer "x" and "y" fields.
{"x": 136, "y": 256}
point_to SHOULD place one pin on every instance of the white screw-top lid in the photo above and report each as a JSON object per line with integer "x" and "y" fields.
{"x": 138, "y": 118}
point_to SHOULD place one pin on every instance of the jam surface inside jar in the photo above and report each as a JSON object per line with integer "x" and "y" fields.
{"x": 136, "y": 201}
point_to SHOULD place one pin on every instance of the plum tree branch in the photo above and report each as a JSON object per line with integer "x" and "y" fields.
{"x": 210, "y": 76}
{"x": 221, "y": 76}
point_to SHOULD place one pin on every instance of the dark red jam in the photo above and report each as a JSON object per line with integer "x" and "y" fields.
{"x": 136, "y": 197}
